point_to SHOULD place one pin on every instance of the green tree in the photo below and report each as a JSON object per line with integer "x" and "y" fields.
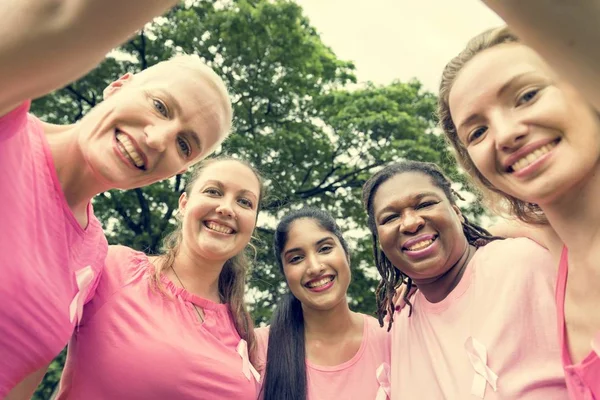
{"x": 315, "y": 140}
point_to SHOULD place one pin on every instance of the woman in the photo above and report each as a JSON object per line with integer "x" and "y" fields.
{"x": 476, "y": 327}
{"x": 151, "y": 126}
{"x": 536, "y": 146}
{"x": 175, "y": 326}
{"x": 317, "y": 347}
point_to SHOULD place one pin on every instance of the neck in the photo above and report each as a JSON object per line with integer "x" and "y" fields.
{"x": 198, "y": 276}
{"x": 575, "y": 217}
{"x": 77, "y": 180}
{"x": 438, "y": 288}
{"x": 335, "y": 322}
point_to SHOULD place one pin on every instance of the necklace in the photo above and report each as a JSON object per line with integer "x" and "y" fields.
{"x": 182, "y": 285}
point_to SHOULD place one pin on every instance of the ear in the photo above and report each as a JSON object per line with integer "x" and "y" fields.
{"x": 115, "y": 86}
{"x": 458, "y": 212}
{"x": 182, "y": 203}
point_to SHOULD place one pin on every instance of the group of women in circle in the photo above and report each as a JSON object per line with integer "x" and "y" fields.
{"x": 493, "y": 317}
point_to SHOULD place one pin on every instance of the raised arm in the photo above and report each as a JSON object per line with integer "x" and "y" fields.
{"x": 565, "y": 32}
{"x": 45, "y": 44}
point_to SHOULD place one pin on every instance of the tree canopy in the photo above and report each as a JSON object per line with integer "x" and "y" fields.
{"x": 299, "y": 117}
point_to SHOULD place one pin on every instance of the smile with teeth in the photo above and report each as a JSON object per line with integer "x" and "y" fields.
{"x": 321, "y": 282}
{"x": 128, "y": 149}
{"x": 213, "y": 226}
{"x": 421, "y": 245}
{"x": 532, "y": 157}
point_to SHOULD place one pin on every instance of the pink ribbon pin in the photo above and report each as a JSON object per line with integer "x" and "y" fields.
{"x": 247, "y": 368}
{"x": 84, "y": 277}
{"x": 483, "y": 374}
{"x": 383, "y": 377}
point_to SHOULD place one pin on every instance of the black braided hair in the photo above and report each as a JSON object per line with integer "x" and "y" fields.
{"x": 391, "y": 277}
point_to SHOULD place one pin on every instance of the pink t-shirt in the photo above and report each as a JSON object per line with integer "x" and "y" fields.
{"x": 583, "y": 378}
{"x": 136, "y": 342}
{"x": 495, "y": 330}
{"x": 365, "y": 376}
{"x": 49, "y": 264}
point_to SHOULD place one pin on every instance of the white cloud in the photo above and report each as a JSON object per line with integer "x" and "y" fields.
{"x": 398, "y": 39}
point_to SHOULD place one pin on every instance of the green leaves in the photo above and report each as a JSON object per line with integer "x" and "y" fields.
{"x": 315, "y": 139}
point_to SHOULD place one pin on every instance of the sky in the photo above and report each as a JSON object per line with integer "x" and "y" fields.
{"x": 398, "y": 39}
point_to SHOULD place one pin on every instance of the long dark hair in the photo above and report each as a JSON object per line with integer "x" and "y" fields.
{"x": 392, "y": 277}
{"x": 285, "y": 372}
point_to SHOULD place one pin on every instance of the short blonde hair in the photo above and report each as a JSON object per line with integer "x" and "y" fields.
{"x": 498, "y": 200}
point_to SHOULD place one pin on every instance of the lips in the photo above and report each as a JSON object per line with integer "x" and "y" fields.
{"x": 220, "y": 227}
{"x": 129, "y": 148}
{"x": 319, "y": 282}
{"x": 418, "y": 243}
{"x": 529, "y": 154}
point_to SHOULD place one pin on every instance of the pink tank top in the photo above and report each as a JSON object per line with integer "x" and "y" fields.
{"x": 49, "y": 265}
{"x": 583, "y": 378}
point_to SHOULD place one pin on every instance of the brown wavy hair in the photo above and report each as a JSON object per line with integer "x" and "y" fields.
{"x": 498, "y": 200}
{"x": 232, "y": 280}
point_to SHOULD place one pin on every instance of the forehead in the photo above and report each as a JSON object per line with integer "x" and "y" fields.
{"x": 403, "y": 187}
{"x": 482, "y": 76}
{"x": 232, "y": 174}
{"x": 305, "y": 232}
{"x": 203, "y": 106}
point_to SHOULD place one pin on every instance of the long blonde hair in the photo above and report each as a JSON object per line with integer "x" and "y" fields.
{"x": 527, "y": 212}
{"x": 232, "y": 280}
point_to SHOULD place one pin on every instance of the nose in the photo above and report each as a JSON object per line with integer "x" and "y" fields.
{"x": 225, "y": 208}
{"x": 158, "y": 136}
{"x": 509, "y": 131}
{"x": 412, "y": 222}
{"x": 315, "y": 266}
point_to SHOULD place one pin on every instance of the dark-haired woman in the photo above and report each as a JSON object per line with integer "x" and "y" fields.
{"x": 482, "y": 323}
{"x": 319, "y": 349}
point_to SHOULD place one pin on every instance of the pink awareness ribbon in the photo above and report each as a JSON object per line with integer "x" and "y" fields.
{"x": 84, "y": 278}
{"x": 483, "y": 374}
{"x": 247, "y": 368}
{"x": 383, "y": 377}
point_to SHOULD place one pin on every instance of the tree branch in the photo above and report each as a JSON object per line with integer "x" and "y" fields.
{"x": 118, "y": 206}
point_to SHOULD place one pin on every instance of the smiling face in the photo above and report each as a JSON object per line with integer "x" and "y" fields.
{"x": 419, "y": 229}
{"x": 220, "y": 210}
{"x": 154, "y": 125}
{"x": 529, "y": 133}
{"x": 315, "y": 265}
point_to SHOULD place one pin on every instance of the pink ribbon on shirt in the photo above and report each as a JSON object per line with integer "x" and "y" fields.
{"x": 383, "y": 377}
{"x": 84, "y": 278}
{"x": 483, "y": 374}
{"x": 247, "y": 368}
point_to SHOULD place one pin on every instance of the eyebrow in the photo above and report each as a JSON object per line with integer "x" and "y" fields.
{"x": 507, "y": 85}
{"x": 178, "y": 110}
{"x": 320, "y": 241}
{"x": 414, "y": 198}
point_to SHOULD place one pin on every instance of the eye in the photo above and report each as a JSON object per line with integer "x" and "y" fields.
{"x": 527, "y": 96}
{"x": 477, "y": 133}
{"x": 388, "y": 218}
{"x": 184, "y": 146}
{"x": 246, "y": 203}
{"x": 426, "y": 204}
{"x": 212, "y": 191}
{"x": 294, "y": 260}
{"x": 326, "y": 248}
{"x": 161, "y": 107}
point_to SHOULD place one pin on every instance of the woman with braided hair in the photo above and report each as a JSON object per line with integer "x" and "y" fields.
{"x": 482, "y": 321}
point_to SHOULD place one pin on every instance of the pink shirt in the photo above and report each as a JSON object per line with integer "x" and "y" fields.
{"x": 48, "y": 263}
{"x": 363, "y": 377}
{"x": 495, "y": 330}
{"x": 138, "y": 343}
{"x": 583, "y": 378}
